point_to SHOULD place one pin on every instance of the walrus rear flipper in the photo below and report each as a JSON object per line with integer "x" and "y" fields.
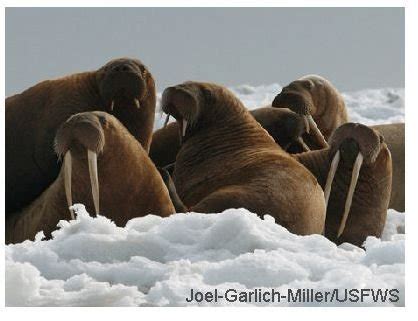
{"x": 178, "y": 204}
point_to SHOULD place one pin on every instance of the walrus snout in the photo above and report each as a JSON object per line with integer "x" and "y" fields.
{"x": 289, "y": 131}
{"x": 83, "y": 130}
{"x": 181, "y": 102}
{"x": 352, "y": 138}
{"x": 122, "y": 82}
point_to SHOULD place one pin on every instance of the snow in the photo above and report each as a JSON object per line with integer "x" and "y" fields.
{"x": 156, "y": 262}
{"x": 370, "y": 106}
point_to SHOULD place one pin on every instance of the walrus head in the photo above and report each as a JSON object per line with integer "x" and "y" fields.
{"x": 122, "y": 82}
{"x": 82, "y": 134}
{"x": 189, "y": 103}
{"x": 284, "y": 126}
{"x": 355, "y": 145}
{"x": 297, "y": 97}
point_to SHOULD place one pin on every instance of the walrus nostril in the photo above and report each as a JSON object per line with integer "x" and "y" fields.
{"x": 121, "y": 68}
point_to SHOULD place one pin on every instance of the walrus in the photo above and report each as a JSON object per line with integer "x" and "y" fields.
{"x": 105, "y": 168}
{"x": 123, "y": 87}
{"x": 283, "y": 125}
{"x": 356, "y": 175}
{"x": 227, "y": 160}
{"x": 394, "y": 135}
{"x": 320, "y": 102}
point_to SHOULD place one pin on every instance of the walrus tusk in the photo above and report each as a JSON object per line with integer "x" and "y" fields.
{"x": 316, "y": 131}
{"x": 112, "y": 105}
{"x": 184, "y": 127}
{"x": 94, "y": 180}
{"x": 306, "y": 121}
{"x": 330, "y": 177}
{"x": 304, "y": 146}
{"x": 352, "y": 187}
{"x": 166, "y": 120}
{"x": 67, "y": 181}
{"x": 136, "y": 101}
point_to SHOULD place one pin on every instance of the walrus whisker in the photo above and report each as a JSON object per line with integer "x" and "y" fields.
{"x": 302, "y": 143}
{"x": 166, "y": 120}
{"x": 314, "y": 127}
{"x": 330, "y": 177}
{"x": 352, "y": 187}
{"x": 184, "y": 127}
{"x": 94, "y": 180}
{"x": 112, "y": 105}
{"x": 136, "y": 101}
{"x": 67, "y": 181}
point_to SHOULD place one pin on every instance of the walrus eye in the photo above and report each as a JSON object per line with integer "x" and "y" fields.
{"x": 207, "y": 96}
{"x": 307, "y": 85}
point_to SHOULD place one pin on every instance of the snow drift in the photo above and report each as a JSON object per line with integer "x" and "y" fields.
{"x": 156, "y": 262}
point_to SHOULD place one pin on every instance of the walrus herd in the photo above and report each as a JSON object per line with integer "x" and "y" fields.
{"x": 88, "y": 138}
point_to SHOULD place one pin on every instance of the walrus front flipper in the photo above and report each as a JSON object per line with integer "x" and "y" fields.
{"x": 356, "y": 175}
{"x": 178, "y": 204}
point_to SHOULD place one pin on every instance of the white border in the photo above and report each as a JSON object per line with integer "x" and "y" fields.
{"x": 250, "y": 313}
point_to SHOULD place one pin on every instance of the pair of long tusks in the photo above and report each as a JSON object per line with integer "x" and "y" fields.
{"x": 136, "y": 102}
{"x": 94, "y": 179}
{"x": 353, "y": 182}
{"x": 184, "y": 124}
{"x": 317, "y": 132}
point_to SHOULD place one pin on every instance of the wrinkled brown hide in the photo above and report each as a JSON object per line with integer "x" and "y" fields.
{"x": 33, "y": 117}
{"x": 283, "y": 125}
{"x": 368, "y": 211}
{"x": 316, "y": 96}
{"x": 227, "y": 160}
{"x": 130, "y": 185}
{"x": 165, "y": 145}
{"x": 394, "y": 135}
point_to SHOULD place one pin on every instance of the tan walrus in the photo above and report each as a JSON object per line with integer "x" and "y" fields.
{"x": 123, "y": 87}
{"x": 227, "y": 160}
{"x": 356, "y": 175}
{"x": 283, "y": 125}
{"x": 320, "y": 102}
{"x": 394, "y": 135}
{"x": 105, "y": 168}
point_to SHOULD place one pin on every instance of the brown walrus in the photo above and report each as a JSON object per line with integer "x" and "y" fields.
{"x": 356, "y": 175}
{"x": 316, "y": 98}
{"x": 227, "y": 160}
{"x": 105, "y": 168}
{"x": 283, "y": 125}
{"x": 394, "y": 135}
{"x": 123, "y": 87}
